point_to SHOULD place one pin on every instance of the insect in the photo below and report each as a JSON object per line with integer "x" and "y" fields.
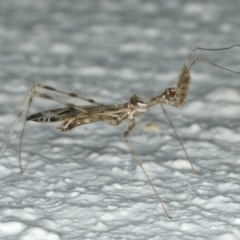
{"x": 71, "y": 115}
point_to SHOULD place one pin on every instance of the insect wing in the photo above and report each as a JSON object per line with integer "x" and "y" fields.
{"x": 54, "y": 115}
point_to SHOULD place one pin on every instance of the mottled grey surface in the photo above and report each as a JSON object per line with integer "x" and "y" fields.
{"x": 84, "y": 184}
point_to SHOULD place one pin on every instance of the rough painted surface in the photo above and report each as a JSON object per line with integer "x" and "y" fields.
{"x": 84, "y": 184}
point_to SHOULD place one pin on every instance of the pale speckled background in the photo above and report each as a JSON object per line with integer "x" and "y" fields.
{"x": 84, "y": 184}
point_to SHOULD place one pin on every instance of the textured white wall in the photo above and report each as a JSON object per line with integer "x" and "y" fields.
{"x": 85, "y": 184}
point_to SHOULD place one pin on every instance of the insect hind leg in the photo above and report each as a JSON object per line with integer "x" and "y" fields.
{"x": 27, "y": 103}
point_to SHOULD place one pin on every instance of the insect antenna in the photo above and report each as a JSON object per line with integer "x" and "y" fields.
{"x": 206, "y": 60}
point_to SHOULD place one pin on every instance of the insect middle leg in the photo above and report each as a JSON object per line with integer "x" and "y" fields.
{"x": 139, "y": 162}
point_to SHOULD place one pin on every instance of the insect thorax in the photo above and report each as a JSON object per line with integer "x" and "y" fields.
{"x": 137, "y": 106}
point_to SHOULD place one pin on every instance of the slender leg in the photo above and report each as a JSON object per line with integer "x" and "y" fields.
{"x": 27, "y": 103}
{"x": 178, "y": 138}
{"x": 46, "y": 96}
{"x": 70, "y": 94}
{"x": 22, "y": 133}
{"x": 136, "y": 158}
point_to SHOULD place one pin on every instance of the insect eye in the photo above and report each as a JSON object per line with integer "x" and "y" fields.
{"x": 171, "y": 92}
